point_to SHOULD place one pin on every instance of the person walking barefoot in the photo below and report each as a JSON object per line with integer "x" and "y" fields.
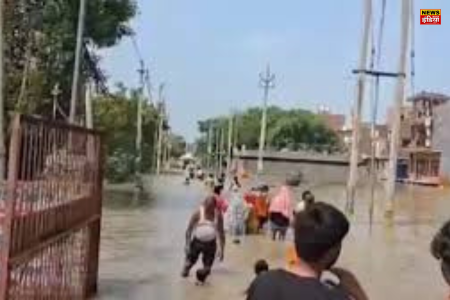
{"x": 205, "y": 237}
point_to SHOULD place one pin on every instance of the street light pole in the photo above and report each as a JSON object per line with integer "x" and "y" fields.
{"x": 77, "y": 63}
{"x": 267, "y": 81}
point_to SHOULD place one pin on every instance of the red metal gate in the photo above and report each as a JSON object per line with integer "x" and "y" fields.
{"x": 50, "y": 212}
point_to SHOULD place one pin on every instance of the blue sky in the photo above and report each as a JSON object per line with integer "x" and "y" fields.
{"x": 210, "y": 53}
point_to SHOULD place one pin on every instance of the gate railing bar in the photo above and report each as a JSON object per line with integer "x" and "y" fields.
{"x": 56, "y": 227}
{"x": 53, "y": 197}
{"x": 25, "y": 255}
{"x": 13, "y": 168}
{"x": 91, "y": 285}
{"x": 60, "y": 125}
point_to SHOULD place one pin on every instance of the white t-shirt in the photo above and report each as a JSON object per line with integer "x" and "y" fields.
{"x": 300, "y": 206}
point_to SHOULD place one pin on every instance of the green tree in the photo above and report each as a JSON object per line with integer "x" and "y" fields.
{"x": 40, "y": 43}
{"x": 116, "y": 116}
{"x": 178, "y": 145}
{"x": 293, "y": 129}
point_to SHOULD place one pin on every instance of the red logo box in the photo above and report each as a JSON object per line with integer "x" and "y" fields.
{"x": 430, "y": 17}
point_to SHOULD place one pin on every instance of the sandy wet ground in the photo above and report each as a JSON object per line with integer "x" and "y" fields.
{"x": 143, "y": 240}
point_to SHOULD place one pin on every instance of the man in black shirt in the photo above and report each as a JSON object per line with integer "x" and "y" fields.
{"x": 319, "y": 231}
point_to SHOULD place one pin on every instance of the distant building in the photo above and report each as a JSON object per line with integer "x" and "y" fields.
{"x": 424, "y": 104}
{"x": 407, "y": 118}
{"x": 335, "y": 122}
{"x": 380, "y": 139}
{"x": 422, "y": 139}
{"x": 441, "y": 138}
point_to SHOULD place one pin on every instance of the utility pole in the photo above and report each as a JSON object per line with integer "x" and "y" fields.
{"x": 399, "y": 98}
{"x": 217, "y": 150}
{"x": 359, "y": 100}
{"x": 140, "y": 96}
{"x": 267, "y": 82}
{"x": 149, "y": 86}
{"x": 375, "y": 63}
{"x": 373, "y": 151}
{"x": 155, "y": 146}
{"x": 236, "y": 131}
{"x": 236, "y": 141}
{"x": 2, "y": 96}
{"x": 168, "y": 150}
{"x": 230, "y": 143}
{"x": 209, "y": 147}
{"x": 221, "y": 149}
{"x": 77, "y": 64}
{"x": 88, "y": 106}
{"x": 161, "y": 116}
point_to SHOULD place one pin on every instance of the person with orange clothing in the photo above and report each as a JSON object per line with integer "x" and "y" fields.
{"x": 258, "y": 199}
{"x": 291, "y": 257}
{"x": 308, "y": 199}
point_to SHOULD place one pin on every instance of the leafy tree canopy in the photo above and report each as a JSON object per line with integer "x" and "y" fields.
{"x": 40, "y": 38}
{"x": 286, "y": 128}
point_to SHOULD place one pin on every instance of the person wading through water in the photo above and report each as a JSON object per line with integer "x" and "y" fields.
{"x": 319, "y": 232}
{"x": 205, "y": 229}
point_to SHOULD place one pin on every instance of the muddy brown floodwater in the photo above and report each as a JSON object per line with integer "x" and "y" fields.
{"x": 142, "y": 246}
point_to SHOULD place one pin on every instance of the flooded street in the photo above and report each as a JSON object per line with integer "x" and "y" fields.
{"x": 142, "y": 246}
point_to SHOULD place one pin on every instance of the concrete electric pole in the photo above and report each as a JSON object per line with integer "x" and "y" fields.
{"x": 77, "y": 64}
{"x": 88, "y": 106}
{"x": 359, "y": 100}
{"x": 161, "y": 117}
{"x": 399, "y": 98}
{"x": 209, "y": 159}
{"x": 230, "y": 143}
{"x": 267, "y": 82}
{"x": 140, "y": 96}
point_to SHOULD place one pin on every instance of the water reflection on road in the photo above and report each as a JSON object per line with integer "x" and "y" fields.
{"x": 143, "y": 239}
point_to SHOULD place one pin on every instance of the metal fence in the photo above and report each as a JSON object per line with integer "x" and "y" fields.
{"x": 50, "y": 213}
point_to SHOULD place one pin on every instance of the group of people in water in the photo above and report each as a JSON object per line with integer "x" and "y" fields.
{"x": 319, "y": 230}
